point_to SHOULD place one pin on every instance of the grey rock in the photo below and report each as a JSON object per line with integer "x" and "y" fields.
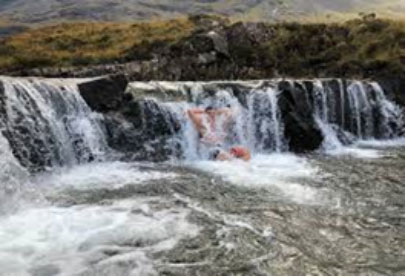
{"x": 105, "y": 93}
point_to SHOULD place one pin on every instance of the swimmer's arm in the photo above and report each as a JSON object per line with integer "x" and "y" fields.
{"x": 224, "y": 157}
{"x": 229, "y": 112}
{"x": 193, "y": 112}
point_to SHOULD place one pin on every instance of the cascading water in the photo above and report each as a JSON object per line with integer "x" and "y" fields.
{"x": 344, "y": 111}
{"x": 48, "y": 124}
{"x": 264, "y": 121}
{"x": 256, "y": 124}
{"x": 323, "y": 117}
{"x": 12, "y": 176}
{"x": 361, "y": 114}
{"x": 390, "y": 116}
{"x": 361, "y": 111}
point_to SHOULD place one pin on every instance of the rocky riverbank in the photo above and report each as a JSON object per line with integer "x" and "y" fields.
{"x": 212, "y": 48}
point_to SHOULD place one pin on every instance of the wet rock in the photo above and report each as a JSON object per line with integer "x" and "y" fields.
{"x": 394, "y": 88}
{"x": 105, "y": 93}
{"x": 301, "y": 130}
{"x": 142, "y": 131}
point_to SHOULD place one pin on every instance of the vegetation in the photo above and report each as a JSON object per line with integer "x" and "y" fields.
{"x": 365, "y": 46}
{"x": 83, "y": 43}
{"x": 359, "y": 47}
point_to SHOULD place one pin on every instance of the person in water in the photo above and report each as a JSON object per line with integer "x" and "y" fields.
{"x": 206, "y": 122}
{"x": 236, "y": 152}
{"x": 211, "y": 123}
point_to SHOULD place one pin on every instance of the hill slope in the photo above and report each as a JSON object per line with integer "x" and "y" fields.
{"x": 39, "y": 11}
{"x": 208, "y": 48}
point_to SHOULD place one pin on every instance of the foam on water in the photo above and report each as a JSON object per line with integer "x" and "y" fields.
{"x": 285, "y": 172}
{"x": 381, "y": 143}
{"x": 101, "y": 175}
{"x": 114, "y": 239}
{"x": 355, "y": 152}
{"x": 367, "y": 149}
{"x": 12, "y": 177}
{"x": 49, "y": 124}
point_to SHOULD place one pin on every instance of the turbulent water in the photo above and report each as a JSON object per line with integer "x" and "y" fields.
{"x": 49, "y": 124}
{"x": 337, "y": 211}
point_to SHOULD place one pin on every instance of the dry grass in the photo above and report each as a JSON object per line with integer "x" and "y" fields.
{"x": 367, "y": 46}
{"x": 4, "y": 22}
{"x": 86, "y": 43}
{"x": 356, "y": 47}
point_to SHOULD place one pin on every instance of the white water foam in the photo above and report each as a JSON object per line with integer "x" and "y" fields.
{"x": 96, "y": 240}
{"x": 382, "y": 144}
{"x": 367, "y": 149}
{"x": 283, "y": 172}
{"x": 12, "y": 177}
{"x": 101, "y": 175}
{"x": 56, "y": 119}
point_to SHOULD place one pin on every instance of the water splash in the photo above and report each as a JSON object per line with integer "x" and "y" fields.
{"x": 264, "y": 121}
{"x": 12, "y": 177}
{"x": 48, "y": 124}
{"x": 90, "y": 240}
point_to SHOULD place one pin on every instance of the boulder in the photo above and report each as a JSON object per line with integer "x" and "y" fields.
{"x": 106, "y": 93}
{"x": 219, "y": 42}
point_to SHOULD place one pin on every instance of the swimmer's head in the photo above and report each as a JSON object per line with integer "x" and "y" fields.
{"x": 209, "y": 108}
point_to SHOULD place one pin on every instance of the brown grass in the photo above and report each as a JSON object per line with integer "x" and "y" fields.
{"x": 357, "y": 47}
{"x": 86, "y": 43}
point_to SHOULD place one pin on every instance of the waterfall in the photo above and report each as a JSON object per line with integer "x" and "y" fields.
{"x": 48, "y": 124}
{"x": 256, "y": 121}
{"x": 363, "y": 113}
{"x": 12, "y": 175}
{"x": 266, "y": 128}
{"x": 343, "y": 111}
{"x": 390, "y": 122}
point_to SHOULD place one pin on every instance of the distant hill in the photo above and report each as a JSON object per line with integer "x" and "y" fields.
{"x": 42, "y": 11}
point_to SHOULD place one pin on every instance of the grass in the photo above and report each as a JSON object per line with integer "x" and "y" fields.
{"x": 83, "y": 43}
{"x": 357, "y": 47}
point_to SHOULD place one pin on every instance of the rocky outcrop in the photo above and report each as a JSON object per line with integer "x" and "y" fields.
{"x": 301, "y": 130}
{"x": 106, "y": 93}
{"x": 394, "y": 88}
{"x": 216, "y": 49}
{"x": 136, "y": 127}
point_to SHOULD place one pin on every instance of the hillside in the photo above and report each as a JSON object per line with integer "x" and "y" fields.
{"x": 41, "y": 11}
{"x": 209, "y": 47}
